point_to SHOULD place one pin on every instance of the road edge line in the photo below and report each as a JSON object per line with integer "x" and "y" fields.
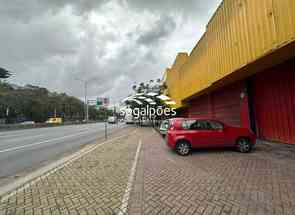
{"x": 11, "y": 189}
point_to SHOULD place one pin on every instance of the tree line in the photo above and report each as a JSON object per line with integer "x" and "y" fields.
{"x": 37, "y": 104}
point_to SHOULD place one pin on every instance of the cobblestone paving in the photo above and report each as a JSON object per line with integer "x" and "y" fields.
{"x": 94, "y": 184}
{"x": 215, "y": 182}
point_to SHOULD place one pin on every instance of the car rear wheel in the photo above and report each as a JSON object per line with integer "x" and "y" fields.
{"x": 244, "y": 145}
{"x": 183, "y": 148}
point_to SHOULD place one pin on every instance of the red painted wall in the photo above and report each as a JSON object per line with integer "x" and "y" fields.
{"x": 273, "y": 92}
{"x": 274, "y": 102}
{"x": 182, "y": 113}
{"x": 225, "y": 104}
{"x": 200, "y": 107}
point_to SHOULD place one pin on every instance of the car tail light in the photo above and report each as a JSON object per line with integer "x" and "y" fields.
{"x": 171, "y": 126}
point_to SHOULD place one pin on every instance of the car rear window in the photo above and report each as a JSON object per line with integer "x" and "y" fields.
{"x": 201, "y": 125}
{"x": 187, "y": 124}
{"x": 213, "y": 125}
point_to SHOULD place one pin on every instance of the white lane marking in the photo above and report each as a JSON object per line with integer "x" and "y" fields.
{"x": 38, "y": 130}
{"x": 40, "y": 135}
{"x": 11, "y": 135}
{"x": 64, "y": 163}
{"x": 23, "y": 138}
{"x": 5, "y": 134}
{"x": 8, "y": 134}
{"x": 125, "y": 200}
{"x": 46, "y": 141}
{"x": 42, "y": 142}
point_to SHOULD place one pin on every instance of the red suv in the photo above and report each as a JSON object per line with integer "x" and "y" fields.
{"x": 185, "y": 134}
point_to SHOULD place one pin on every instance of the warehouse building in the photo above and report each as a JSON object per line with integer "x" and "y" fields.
{"x": 242, "y": 71}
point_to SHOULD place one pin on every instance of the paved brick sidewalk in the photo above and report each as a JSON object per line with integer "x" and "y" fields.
{"x": 214, "y": 182}
{"x": 94, "y": 184}
{"x": 209, "y": 182}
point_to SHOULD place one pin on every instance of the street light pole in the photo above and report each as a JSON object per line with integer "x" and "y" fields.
{"x": 85, "y": 82}
{"x": 86, "y": 102}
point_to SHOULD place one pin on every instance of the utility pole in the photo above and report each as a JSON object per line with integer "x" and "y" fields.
{"x": 85, "y": 82}
{"x": 106, "y": 125}
{"x": 7, "y": 114}
{"x": 86, "y": 102}
{"x": 7, "y": 111}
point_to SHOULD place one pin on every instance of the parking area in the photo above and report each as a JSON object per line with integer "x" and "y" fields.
{"x": 214, "y": 181}
{"x": 138, "y": 174}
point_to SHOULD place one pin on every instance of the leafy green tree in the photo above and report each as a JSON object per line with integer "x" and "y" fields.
{"x": 4, "y": 73}
{"x": 38, "y": 104}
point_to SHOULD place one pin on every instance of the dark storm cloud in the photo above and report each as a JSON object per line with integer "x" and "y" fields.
{"x": 109, "y": 43}
{"x": 197, "y": 8}
{"x": 30, "y": 9}
{"x": 81, "y": 6}
{"x": 35, "y": 41}
{"x": 161, "y": 29}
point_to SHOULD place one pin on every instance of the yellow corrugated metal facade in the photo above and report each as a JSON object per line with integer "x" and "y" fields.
{"x": 239, "y": 33}
{"x": 172, "y": 79}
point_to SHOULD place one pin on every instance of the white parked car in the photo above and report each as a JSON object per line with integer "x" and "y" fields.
{"x": 28, "y": 123}
{"x": 129, "y": 119}
{"x": 112, "y": 120}
{"x": 164, "y": 127}
{"x": 145, "y": 122}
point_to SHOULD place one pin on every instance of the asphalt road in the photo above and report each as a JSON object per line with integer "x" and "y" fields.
{"x": 27, "y": 149}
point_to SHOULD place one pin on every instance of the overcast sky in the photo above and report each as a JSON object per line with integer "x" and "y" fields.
{"x": 110, "y": 43}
